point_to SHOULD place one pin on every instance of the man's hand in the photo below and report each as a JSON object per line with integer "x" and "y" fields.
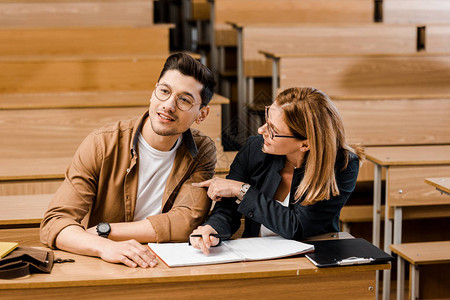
{"x": 206, "y": 241}
{"x": 131, "y": 253}
{"x": 219, "y": 187}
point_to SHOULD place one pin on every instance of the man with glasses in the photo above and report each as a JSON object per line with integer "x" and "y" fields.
{"x": 130, "y": 182}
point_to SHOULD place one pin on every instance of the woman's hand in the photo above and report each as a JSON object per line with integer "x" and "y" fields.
{"x": 206, "y": 241}
{"x": 219, "y": 187}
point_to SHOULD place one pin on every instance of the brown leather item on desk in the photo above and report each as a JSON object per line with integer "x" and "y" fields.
{"x": 24, "y": 261}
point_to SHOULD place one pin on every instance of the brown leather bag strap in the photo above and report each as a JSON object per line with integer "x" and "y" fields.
{"x": 14, "y": 269}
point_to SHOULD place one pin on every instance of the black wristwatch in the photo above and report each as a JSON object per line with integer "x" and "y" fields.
{"x": 103, "y": 229}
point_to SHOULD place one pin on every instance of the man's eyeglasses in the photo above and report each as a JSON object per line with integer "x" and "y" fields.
{"x": 183, "y": 101}
{"x": 271, "y": 131}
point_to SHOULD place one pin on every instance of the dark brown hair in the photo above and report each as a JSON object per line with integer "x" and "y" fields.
{"x": 189, "y": 66}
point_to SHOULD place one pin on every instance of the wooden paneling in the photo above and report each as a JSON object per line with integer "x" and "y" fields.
{"x": 357, "y": 286}
{"x": 408, "y": 188}
{"x": 25, "y": 14}
{"x": 359, "y": 75}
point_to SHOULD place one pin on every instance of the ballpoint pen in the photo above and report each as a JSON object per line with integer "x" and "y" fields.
{"x": 211, "y": 234}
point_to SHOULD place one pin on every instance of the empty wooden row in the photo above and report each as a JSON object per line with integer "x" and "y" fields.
{"x": 323, "y": 11}
{"x": 57, "y": 132}
{"x": 113, "y": 40}
{"x": 284, "y": 11}
{"x": 78, "y": 13}
{"x": 79, "y": 73}
{"x": 332, "y": 39}
{"x": 39, "y": 143}
{"x": 365, "y": 75}
{"x": 325, "y": 39}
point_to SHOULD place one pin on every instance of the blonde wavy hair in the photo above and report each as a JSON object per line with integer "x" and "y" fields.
{"x": 311, "y": 113}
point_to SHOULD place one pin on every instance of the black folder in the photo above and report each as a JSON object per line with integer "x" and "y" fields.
{"x": 344, "y": 252}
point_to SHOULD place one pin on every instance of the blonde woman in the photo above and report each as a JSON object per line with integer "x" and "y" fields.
{"x": 291, "y": 180}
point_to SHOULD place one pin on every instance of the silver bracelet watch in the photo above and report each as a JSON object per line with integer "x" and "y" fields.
{"x": 242, "y": 192}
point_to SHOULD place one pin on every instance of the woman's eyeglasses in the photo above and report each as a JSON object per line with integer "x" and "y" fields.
{"x": 271, "y": 131}
{"x": 183, "y": 101}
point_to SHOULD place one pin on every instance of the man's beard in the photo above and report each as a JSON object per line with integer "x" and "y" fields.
{"x": 163, "y": 131}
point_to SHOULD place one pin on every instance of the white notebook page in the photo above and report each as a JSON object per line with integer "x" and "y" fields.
{"x": 260, "y": 248}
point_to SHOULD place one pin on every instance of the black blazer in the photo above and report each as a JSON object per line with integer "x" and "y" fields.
{"x": 261, "y": 171}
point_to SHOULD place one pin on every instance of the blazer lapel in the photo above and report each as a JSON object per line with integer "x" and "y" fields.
{"x": 273, "y": 178}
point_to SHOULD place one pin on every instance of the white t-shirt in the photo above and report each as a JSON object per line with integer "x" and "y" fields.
{"x": 266, "y": 231}
{"x": 154, "y": 169}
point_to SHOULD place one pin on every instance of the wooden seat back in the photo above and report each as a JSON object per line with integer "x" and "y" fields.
{"x": 149, "y": 40}
{"x": 285, "y": 11}
{"x": 416, "y": 11}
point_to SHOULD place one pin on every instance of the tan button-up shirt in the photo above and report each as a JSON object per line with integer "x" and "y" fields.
{"x": 101, "y": 184}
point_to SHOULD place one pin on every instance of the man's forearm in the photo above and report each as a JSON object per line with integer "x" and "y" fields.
{"x": 75, "y": 239}
{"x": 129, "y": 252}
{"x": 141, "y": 231}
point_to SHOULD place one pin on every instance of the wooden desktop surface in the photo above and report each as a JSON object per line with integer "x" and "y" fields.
{"x": 441, "y": 183}
{"x": 262, "y": 279}
{"x": 409, "y": 155}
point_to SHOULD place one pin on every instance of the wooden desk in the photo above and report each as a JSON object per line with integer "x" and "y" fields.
{"x": 359, "y": 75}
{"x": 402, "y": 164}
{"x": 418, "y": 254}
{"x": 290, "y": 277}
{"x": 442, "y": 184}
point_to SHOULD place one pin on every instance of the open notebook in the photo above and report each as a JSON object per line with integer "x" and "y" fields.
{"x": 260, "y": 248}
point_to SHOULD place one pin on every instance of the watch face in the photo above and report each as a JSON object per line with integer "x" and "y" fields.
{"x": 102, "y": 227}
